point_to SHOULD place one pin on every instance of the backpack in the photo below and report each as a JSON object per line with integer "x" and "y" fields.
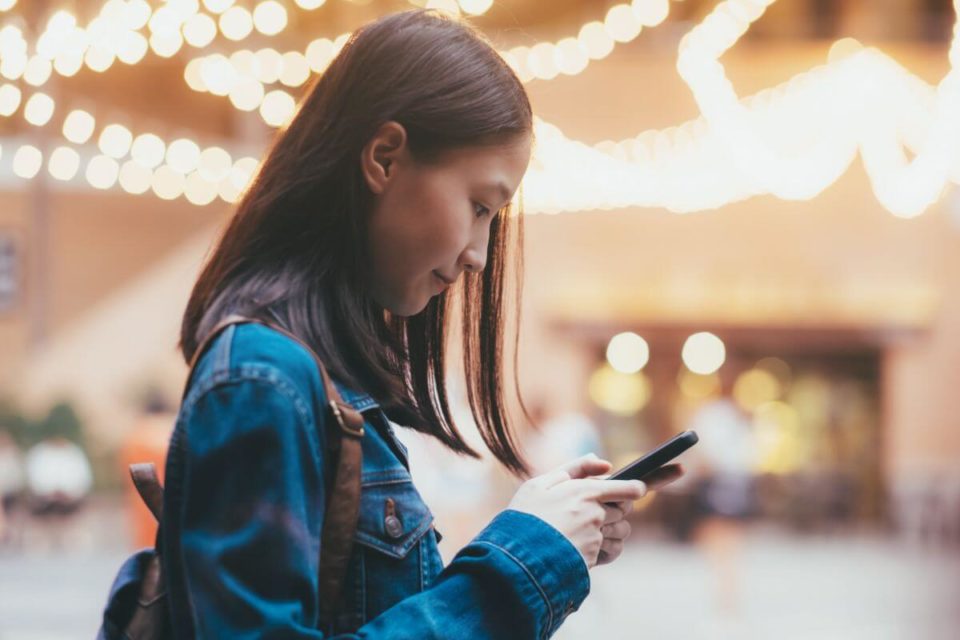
{"x": 136, "y": 606}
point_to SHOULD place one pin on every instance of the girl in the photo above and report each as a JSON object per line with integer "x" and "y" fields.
{"x": 392, "y": 184}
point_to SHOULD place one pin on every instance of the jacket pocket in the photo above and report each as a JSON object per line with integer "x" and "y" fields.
{"x": 393, "y": 517}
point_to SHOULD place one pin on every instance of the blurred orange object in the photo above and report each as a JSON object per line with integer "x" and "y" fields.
{"x": 147, "y": 442}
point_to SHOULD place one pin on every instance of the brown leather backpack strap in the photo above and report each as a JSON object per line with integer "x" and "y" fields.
{"x": 145, "y": 479}
{"x": 344, "y": 434}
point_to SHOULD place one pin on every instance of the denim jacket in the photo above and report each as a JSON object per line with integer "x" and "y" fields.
{"x": 243, "y": 512}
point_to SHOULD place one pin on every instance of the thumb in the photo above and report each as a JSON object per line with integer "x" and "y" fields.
{"x": 582, "y": 467}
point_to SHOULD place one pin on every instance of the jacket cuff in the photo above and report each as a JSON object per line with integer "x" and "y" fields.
{"x": 548, "y": 558}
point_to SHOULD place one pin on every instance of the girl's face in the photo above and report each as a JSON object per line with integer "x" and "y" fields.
{"x": 431, "y": 222}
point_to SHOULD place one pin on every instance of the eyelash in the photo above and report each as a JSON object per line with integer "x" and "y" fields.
{"x": 485, "y": 210}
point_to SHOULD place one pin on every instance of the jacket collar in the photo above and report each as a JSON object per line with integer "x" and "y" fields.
{"x": 357, "y": 399}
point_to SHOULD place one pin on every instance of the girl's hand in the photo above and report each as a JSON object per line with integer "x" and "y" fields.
{"x": 616, "y": 528}
{"x": 574, "y": 504}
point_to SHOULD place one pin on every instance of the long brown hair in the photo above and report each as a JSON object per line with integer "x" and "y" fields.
{"x": 294, "y": 251}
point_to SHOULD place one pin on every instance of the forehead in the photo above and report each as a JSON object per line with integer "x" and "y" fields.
{"x": 488, "y": 165}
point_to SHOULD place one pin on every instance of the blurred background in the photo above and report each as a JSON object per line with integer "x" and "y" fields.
{"x": 741, "y": 218}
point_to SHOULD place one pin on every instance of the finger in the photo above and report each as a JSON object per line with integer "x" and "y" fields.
{"x": 613, "y": 512}
{"x": 582, "y": 467}
{"x": 616, "y": 531}
{"x": 613, "y": 490}
{"x": 610, "y": 550}
{"x": 663, "y": 476}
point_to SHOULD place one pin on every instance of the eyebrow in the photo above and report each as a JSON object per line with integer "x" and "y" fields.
{"x": 504, "y": 192}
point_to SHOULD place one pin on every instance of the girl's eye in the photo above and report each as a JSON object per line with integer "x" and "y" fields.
{"x": 480, "y": 210}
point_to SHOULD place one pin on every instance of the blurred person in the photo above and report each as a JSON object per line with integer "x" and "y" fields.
{"x": 58, "y": 479}
{"x": 11, "y": 484}
{"x": 721, "y": 469}
{"x": 558, "y": 436}
{"x": 392, "y": 183}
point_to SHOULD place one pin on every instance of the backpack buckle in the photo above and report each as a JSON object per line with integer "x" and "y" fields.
{"x": 338, "y": 414}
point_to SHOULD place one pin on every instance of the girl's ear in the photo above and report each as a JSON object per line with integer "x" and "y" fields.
{"x": 380, "y": 155}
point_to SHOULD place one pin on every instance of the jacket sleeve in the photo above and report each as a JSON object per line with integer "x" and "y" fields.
{"x": 242, "y": 542}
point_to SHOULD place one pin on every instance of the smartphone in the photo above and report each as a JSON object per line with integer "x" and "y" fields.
{"x": 660, "y": 456}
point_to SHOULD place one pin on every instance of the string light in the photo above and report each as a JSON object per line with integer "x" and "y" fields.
{"x": 9, "y": 99}
{"x": 39, "y": 109}
{"x": 102, "y": 172}
{"x": 270, "y": 17}
{"x": 27, "y": 161}
{"x": 64, "y": 163}
{"x": 78, "y": 126}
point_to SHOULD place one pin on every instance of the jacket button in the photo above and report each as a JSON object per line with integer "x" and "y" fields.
{"x": 391, "y": 523}
{"x": 393, "y": 526}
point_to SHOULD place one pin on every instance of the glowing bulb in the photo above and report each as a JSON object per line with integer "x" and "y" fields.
{"x": 38, "y": 71}
{"x": 270, "y": 17}
{"x": 294, "y": 69}
{"x": 166, "y": 43}
{"x": 217, "y": 6}
{"x": 243, "y": 172}
{"x": 650, "y": 13}
{"x": 704, "y": 353}
{"x": 13, "y": 65}
{"x": 148, "y": 151}
{"x": 131, "y": 48}
{"x": 595, "y": 39}
{"x": 310, "y": 4}
{"x": 78, "y": 126}
{"x": 199, "y": 191}
{"x": 214, "y": 165}
{"x": 115, "y": 140}
{"x": 137, "y": 15}
{"x": 183, "y": 155}
{"x": 319, "y": 54}
{"x": 6, "y": 5}
{"x": 102, "y": 172}
{"x": 622, "y": 23}
{"x": 247, "y": 94}
{"x": 475, "y": 7}
{"x": 236, "y": 23}
{"x": 450, "y": 7}
{"x": 193, "y": 74}
{"x": 200, "y": 30}
{"x": 218, "y": 75}
{"x": 135, "y": 178}
{"x": 627, "y": 352}
{"x": 573, "y": 56}
{"x": 9, "y": 99}
{"x": 619, "y": 393}
{"x": 277, "y": 108}
{"x": 268, "y": 65}
{"x": 68, "y": 63}
{"x": 64, "y": 163}
{"x": 167, "y": 183}
{"x": 27, "y": 161}
{"x": 98, "y": 58}
{"x": 39, "y": 109}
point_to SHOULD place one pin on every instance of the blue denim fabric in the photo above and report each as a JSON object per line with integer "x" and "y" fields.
{"x": 244, "y": 507}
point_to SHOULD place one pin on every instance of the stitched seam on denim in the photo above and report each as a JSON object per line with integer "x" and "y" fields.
{"x": 224, "y": 347}
{"x": 423, "y": 556}
{"x": 385, "y": 481}
{"x": 533, "y": 578}
{"x": 396, "y": 549}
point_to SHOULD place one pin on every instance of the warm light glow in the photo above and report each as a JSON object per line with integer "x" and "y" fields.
{"x": 102, "y": 172}
{"x": 475, "y": 7}
{"x": 755, "y": 387}
{"x": 115, "y": 141}
{"x": 214, "y": 165}
{"x": 166, "y": 43}
{"x": 627, "y": 352}
{"x": 277, "y": 108}
{"x": 10, "y": 97}
{"x": 6, "y": 5}
{"x": 450, "y": 7}
{"x": 38, "y": 71}
{"x": 131, "y": 47}
{"x": 310, "y": 4}
{"x": 619, "y": 393}
{"x": 98, "y": 58}
{"x": 200, "y": 30}
{"x": 183, "y": 155}
{"x": 704, "y": 353}
{"x": 247, "y": 94}
{"x": 319, "y": 54}
{"x": 148, "y": 150}
{"x": 294, "y": 69}
{"x": 39, "y": 109}
{"x": 64, "y": 163}
{"x": 650, "y": 13}
{"x": 78, "y": 126}
{"x": 622, "y": 23}
{"x": 167, "y": 184}
{"x": 218, "y": 75}
{"x": 270, "y": 17}
{"x": 698, "y": 387}
{"x": 268, "y": 65}
{"x": 236, "y": 23}
{"x": 27, "y": 161}
{"x": 217, "y": 6}
{"x": 198, "y": 191}
{"x": 135, "y": 178}
{"x": 595, "y": 39}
